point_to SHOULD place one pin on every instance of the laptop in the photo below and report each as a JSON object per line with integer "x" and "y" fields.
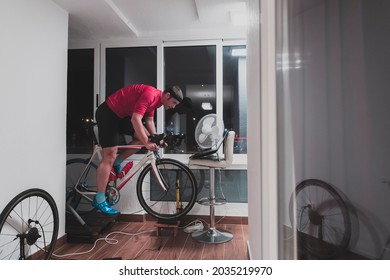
{"x": 210, "y": 151}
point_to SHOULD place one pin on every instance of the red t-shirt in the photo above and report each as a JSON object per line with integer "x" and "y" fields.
{"x": 137, "y": 98}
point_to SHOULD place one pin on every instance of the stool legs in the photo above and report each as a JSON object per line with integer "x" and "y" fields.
{"x": 212, "y": 235}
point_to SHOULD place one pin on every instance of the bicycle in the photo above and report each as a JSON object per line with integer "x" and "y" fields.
{"x": 166, "y": 188}
{"x": 321, "y": 219}
{"x": 29, "y": 226}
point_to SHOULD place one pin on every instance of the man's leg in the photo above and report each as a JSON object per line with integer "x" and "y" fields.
{"x": 129, "y": 152}
{"x": 103, "y": 173}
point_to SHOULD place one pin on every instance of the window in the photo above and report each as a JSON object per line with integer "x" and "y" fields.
{"x": 126, "y": 66}
{"x": 234, "y": 94}
{"x": 80, "y": 98}
{"x": 193, "y": 68}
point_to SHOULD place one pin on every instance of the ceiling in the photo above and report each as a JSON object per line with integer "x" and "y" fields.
{"x": 157, "y": 19}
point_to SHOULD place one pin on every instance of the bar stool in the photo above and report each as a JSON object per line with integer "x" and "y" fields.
{"x": 213, "y": 235}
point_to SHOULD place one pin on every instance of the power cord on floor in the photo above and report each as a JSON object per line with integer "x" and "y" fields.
{"x": 110, "y": 241}
{"x": 193, "y": 226}
{"x": 145, "y": 250}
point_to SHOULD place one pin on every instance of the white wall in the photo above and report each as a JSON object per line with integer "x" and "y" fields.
{"x": 33, "y": 70}
{"x": 254, "y": 104}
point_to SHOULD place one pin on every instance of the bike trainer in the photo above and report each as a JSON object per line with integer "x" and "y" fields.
{"x": 92, "y": 226}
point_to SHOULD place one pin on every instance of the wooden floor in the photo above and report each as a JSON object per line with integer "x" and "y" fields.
{"x": 139, "y": 240}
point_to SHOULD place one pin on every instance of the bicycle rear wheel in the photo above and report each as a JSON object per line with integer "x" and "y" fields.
{"x": 29, "y": 226}
{"x": 177, "y": 200}
{"x": 82, "y": 176}
{"x": 321, "y": 219}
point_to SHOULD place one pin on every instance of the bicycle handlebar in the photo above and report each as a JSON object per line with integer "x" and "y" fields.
{"x": 157, "y": 138}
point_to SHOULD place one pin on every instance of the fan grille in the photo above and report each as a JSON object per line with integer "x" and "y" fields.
{"x": 209, "y": 131}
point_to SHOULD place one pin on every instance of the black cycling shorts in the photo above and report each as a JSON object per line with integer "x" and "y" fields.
{"x": 111, "y": 128}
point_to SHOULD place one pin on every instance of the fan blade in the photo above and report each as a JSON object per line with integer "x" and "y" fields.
{"x": 202, "y": 138}
{"x": 206, "y": 129}
{"x": 209, "y": 121}
{"x": 215, "y": 130}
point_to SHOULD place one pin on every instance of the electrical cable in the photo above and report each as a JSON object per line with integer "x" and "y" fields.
{"x": 110, "y": 241}
{"x": 195, "y": 225}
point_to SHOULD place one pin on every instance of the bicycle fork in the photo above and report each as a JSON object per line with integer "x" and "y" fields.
{"x": 162, "y": 183}
{"x": 158, "y": 175}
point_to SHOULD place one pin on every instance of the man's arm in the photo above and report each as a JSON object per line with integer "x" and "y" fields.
{"x": 140, "y": 132}
{"x": 150, "y": 126}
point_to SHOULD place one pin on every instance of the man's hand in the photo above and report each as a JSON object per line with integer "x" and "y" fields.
{"x": 151, "y": 147}
{"x": 163, "y": 144}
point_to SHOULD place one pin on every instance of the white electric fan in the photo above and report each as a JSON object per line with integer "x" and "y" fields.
{"x": 209, "y": 131}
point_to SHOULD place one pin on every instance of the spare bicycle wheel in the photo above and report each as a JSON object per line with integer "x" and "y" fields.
{"x": 321, "y": 219}
{"x": 29, "y": 226}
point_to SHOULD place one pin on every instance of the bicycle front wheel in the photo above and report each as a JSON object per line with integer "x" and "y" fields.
{"x": 177, "y": 200}
{"x": 29, "y": 226}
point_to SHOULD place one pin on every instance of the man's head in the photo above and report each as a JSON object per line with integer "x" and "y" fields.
{"x": 171, "y": 97}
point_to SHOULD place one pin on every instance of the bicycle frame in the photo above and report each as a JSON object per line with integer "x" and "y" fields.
{"x": 149, "y": 157}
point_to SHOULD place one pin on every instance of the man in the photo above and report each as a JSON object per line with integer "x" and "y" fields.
{"x": 122, "y": 113}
